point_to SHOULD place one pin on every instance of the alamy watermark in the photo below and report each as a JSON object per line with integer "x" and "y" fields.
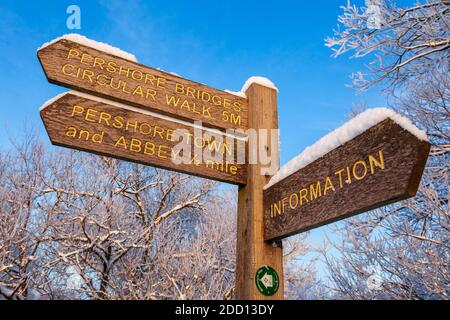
{"x": 74, "y": 19}
{"x": 234, "y": 146}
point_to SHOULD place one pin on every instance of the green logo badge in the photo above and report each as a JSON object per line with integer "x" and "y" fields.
{"x": 267, "y": 280}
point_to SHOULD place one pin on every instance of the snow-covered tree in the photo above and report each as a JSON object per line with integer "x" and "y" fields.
{"x": 80, "y": 226}
{"x": 74, "y": 225}
{"x": 401, "y": 251}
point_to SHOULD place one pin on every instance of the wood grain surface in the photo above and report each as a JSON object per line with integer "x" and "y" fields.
{"x": 251, "y": 251}
{"x": 89, "y": 70}
{"x": 380, "y": 166}
{"x": 80, "y": 123}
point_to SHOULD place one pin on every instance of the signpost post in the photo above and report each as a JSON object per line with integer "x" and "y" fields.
{"x": 252, "y": 252}
{"x": 381, "y": 165}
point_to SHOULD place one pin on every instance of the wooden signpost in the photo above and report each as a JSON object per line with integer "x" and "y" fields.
{"x": 149, "y": 118}
{"x": 252, "y": 252}
{"x": 117, "y": 131}
{"x": 380, "y": 166}
{"x": 83, "y": 68}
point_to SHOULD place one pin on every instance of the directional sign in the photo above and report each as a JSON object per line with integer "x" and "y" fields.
{"x": 89, "y": 70}
{"x": 111, "y": 129}
{"x": 382, "y": 165}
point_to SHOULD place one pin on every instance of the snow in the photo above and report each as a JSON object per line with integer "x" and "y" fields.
{"x": 239, "y": 93}
{"x": 93, "y": 44}
{"x": 259, "y": 80}
{"x": 169, "y": 72}
{"x": 50, "y": 101}
{"x": 341, "y": 135}
{"x": 197, "y": 124}
{"x": 253, "y": 79}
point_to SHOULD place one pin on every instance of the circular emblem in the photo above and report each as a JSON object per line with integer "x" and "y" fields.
{"x": 267, "y": 280}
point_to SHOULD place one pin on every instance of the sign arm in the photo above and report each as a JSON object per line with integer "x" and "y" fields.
{"x": 380, "y": 166}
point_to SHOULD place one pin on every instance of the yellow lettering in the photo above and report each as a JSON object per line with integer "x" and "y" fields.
{"x": 122, "y": 69}
{"x": 340, "y": 177}
{"x": 185, "y": 105}
{"x": 293, "y": 204}
{"x": 118, "y": 122}
{"x": 328, "y": 185}
{"x": 303, "y": 195}
{"x": 151, "y": 93}
{"x": 236, "y": 119}
{"x": 104, "y": 77}
{"x": 98, "y": 137}
{"x": 112, "y": 67}
{"x": 88, "y": 74}
{"x": 374, "y": 162}
{"x": 349, "y": 177}
{"x": 206, "y": 112}
{"x": 98, "y": 62}
{"x": 104, "y": 116}
{"x": 85, "y": 57}
{"x": 237, "y": 106}
{"x": 139, "y": 76}
{"x": 145, "y": 125}
{"x": 73, "y": 53}
{"x": 315, "y": 192}
{"x": 172, "y": 100}
{"x": 64, "y": 69}
{"x": 276, "y": 208}
{"x": 149, "y": 78}
{"x": 169, "y": 134}
{"x": 158, "y": 130}
{"x": 161, "y": 82}
{"x": 149, "y": 148}
{"x": 283, "y": 204}
{"x": 363, "y": 163}
{"x": 216, "y": 100}
{"x": 133, "y": 124}
{"x": 71, "y": 132}
{"x": 115, "y": 87}
{"x": 135, "y": 145}
{"x": 138, "y": 91}
{"x": 190, "y": 91}
{"x": 121, "y": 143}
{"x": 226, "y": 103}
{"x": 89, "y": 114}
{"x": 204, "y": 93}
{"x": 179, "y": 88}
{"x": 162, "y": 151}
{"x": 77, "y": 109}
{"x": 84, "y": 132}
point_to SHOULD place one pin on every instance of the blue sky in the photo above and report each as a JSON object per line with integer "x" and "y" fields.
{"x": 220, "y": 43}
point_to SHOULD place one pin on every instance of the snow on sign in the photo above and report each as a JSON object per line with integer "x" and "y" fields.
{"x": 99, "y": 69}
{"x": 88, "y": 123}
{"x": 374, "y": 159}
